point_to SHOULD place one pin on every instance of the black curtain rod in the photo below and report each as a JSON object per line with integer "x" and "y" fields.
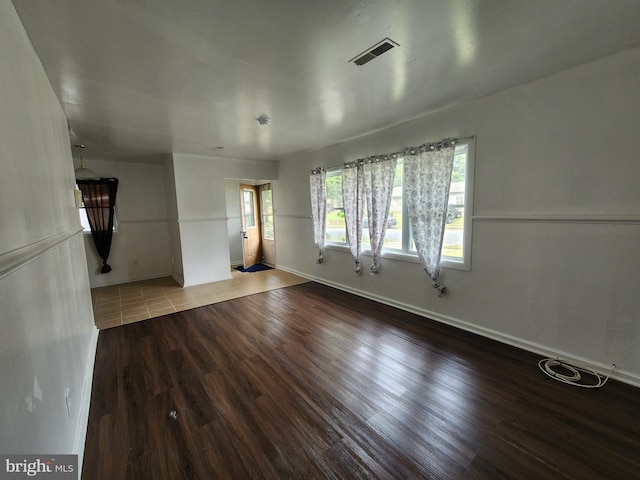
{"x": 400, "y": 153}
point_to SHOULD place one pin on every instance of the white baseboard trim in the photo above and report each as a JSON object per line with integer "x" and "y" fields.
{"x": 620, "y": 375}
{"x": 133, "y": 279}
{"x": 178, "y": 278}
{"x": 83, "y": 415}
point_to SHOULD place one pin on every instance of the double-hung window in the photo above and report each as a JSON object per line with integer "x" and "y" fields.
{"x": 336, "y": 232}
{"x": 398, "y": 241}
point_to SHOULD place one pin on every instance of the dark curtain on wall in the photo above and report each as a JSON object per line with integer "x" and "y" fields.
{"x": 99, "y": 197}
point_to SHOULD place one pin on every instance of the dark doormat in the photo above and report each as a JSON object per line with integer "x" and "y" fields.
{"x": 258, "y": 267}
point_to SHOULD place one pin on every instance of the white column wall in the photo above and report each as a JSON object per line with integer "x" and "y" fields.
{"x": 172, "y": 216}
{"x": 234, "y": 220}
{"x": 202, "y": 212}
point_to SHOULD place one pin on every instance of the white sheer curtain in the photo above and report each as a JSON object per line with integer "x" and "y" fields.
{"x": 353, "y": 203}
{"x": 318, "y": 188}
{"x": 378, "y": 185}
{"x": 427, "y": 177}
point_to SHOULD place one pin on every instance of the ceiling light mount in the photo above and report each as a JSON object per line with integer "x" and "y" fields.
{"x": 82, "y": 172}
{"x": 263, "y": 120}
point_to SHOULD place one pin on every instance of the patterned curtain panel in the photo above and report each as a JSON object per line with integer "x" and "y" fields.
{"x": 378, "y": 185}
{"x": 353, "y": 203}
{"x": 317, "y": 182}
{"x": 99, "y": 198}
{"x": 427, "y": 177}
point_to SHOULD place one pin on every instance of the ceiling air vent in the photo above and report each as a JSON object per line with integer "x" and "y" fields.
{"x": 373, "y": 52}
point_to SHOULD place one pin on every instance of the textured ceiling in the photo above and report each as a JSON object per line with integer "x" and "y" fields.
{"x": 141, "y": 78}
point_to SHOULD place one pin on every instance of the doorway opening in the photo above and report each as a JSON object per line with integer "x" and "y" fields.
{"x": 257, "y": 234}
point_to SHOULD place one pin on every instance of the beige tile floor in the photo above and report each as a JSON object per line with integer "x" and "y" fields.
{"x": 131, "y": 302}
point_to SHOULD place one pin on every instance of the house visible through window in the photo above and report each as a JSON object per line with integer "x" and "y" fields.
{"x": 249, "y": 214}
{"x": 398, "y": 238}
{"x": 336, "y": 226}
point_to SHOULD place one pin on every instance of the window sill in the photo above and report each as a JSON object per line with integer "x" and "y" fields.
{"x": 401, "y": 257}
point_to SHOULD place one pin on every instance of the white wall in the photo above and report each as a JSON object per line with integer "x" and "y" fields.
{"x": 234, "y": 220}
{"x": 202, "y": 212}
{"x": 556, "y": 229}
{"x": 48, "y": 336}
{"x": 172, "y": 218}
{"x": 140, "y": 248}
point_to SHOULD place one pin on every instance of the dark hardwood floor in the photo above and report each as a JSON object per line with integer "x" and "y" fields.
{"x": 311, "y": 382}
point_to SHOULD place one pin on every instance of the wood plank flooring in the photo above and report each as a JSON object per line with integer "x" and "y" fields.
{"x": 310, "y": 382}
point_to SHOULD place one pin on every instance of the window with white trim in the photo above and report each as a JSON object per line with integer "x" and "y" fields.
{"x": 266, "y": 209}
{"x": 398, "y": 239}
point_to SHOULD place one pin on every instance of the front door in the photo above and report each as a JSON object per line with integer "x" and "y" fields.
{"x": 251, "y": 243}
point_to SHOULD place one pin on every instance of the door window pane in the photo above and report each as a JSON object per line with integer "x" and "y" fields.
{"x": 249, "y": 213}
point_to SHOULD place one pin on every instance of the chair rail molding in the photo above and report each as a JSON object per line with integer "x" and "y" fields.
{"x": 17, "y": 258}
{"x": 560, "y": 218}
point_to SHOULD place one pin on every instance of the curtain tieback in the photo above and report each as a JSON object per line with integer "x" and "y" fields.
{"x": 358, "y": 268}
{"x": 441, "y": 288}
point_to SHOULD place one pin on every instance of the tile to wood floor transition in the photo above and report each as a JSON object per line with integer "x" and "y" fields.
{"x": 117, "y": 305}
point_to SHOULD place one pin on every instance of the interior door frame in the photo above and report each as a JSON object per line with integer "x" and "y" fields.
{"x": 268, "y": 244}
{"x": 251, "y": 234}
